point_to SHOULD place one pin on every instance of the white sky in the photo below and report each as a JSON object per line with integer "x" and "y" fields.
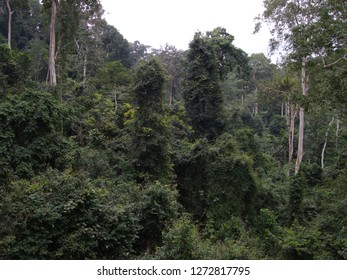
{"x": 157, "y": 22}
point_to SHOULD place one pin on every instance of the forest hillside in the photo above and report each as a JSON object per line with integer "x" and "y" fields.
{"x": 112, "y": 149}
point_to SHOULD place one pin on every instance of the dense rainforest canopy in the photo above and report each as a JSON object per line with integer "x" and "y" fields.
{"x": 112, "y": 149}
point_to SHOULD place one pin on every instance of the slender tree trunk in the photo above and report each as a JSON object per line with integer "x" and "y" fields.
{"x": 337, "y": 133}
{"x": 85, "y": 63}
{"x": 300, "y": 154}
{"x": 115, "y": 103}
{"x": 242, "y": 101}
{"x": 304, "y": 85}
{"x": 52, "y": 46}
{"x": 244, "y": 97}
{"x": 9, "y": 32}
{"x": 287, "y": 113}
{"x": 171, "y": 92}
{"x": 256, "y": 105}
{"x": 291, "y": 114}
{"x": 325, "y": 142}
{"x": 292, "y": 133}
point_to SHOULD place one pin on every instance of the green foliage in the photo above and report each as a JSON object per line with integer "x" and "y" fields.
{"x": 300, "y": 242}
{"x": 102, "y": 116}
{"x": 296, "y": 195}
{"x": 14, "y": 69}
{"x": 262, "y": 68}
{"x": 216, "y": 181}
{"x": 89, "y": 171}
{"x": 269, "y": 228}
{"x": 232, "y": 184}
{"x": 202, "y": 95}
{"x": 331, "y": 219}
{"x": 38, "y": 51}
{"x": 25, "y": 24}
{"x": 329, "y": 83}
{"x": 149, "y": 81}
{"x": 64, "y": 216}
{"x": 192, "y": 177}
{"x": 157, "y": 209}
{"x": 113, "y": 75}
{"x": 151, "y": 146}
{"x": 181, "y": 241}
{"x": 91, "y": 162}
{"x": 173, "y": 62}
{"x": 210, "y": 59}
{"x": 301, "y": 187}
{"x": 203, "y": 98}
{"x": 30, "y": 134}
{"x": 117, "y": 48}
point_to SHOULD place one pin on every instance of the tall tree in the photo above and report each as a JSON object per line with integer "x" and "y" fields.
{"x": 52, "y": 45}
{"x": 20, "y": 21}
{"x": 66, "y": 15}
{"x": 305, "y": 29}
{"x": 211, "y": 57}
{"x": 262, "y": 70}
{"x": 116, "y": 47}
{"x": 138, "y": 51}
{"x": 9, "y": 11}
{"x": 151, "y": 145}
{"x": 172, "y": 60}
{"x": 203, "y": 95}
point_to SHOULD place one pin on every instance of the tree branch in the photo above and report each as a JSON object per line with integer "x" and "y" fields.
{"x": 337, "y": 61}
{"x": 325, "y": 142}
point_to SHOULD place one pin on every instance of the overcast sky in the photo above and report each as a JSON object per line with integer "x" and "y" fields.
{"x": 157, "y": 22}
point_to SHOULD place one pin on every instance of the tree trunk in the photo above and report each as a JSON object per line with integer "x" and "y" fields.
{"x": 325, "y": 142}
{"x": 304, "y": 85}
{"x": 337, "y": 133}
{"x": 256, "y": 104}
{"x": 171, "y": 92}
{"x": 9, "y": 32}
{"x": 300, "y": 154}
{"x": 85, "y": 64}
{"x": 115, "y": 103}
{"x": 52, "y": 46}
{"x": 291, "y": 114}
{"x": 287, "y": 113}
{"x": 292, "y": 133}
{"x": 242, "y": 100}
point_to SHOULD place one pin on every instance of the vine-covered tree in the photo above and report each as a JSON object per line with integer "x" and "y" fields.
{"x": 151, "y": 148}
{"x": 210, "y": 58}
{"x": 202, "y": 95}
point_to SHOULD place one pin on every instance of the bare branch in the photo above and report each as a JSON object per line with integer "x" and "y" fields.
{"x": 337, "y": 61}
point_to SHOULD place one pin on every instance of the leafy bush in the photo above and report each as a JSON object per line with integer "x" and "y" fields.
{"x": 64, "y": 216}
{"x": 14, "y": 69}
{"x": 30, "y": 134}
{"x": 181, "y": 241}
{"x": 157, "y": 208}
